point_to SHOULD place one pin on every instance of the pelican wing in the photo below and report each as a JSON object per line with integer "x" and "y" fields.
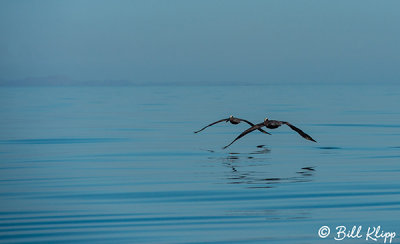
{"x": 251, "y": 124}
{"x": 304, "y": 135}
{"x": 253, "y": 128}
{"x": 226, "y": 120}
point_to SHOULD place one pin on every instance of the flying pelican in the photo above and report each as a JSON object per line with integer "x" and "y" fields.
{"x": 234, "y": 121}
{"x": 271, "y": 124}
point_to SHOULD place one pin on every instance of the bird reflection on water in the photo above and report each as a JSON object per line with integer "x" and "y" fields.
{"x": 240, "y": 174}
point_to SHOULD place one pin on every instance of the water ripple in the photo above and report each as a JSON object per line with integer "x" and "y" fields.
{"x": 361, "y": 125}
{"x": 204, "y": 196}
{"x": 62, "y": 140}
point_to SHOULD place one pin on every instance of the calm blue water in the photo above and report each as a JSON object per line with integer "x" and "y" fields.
{"x": 122, "y": 164}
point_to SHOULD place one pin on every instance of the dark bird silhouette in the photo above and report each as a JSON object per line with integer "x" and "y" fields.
{"x": 234, "y": 121}
{"x": 271, "y": 124}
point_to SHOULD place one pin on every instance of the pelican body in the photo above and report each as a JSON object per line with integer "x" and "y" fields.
{"x": 234, "y": 120}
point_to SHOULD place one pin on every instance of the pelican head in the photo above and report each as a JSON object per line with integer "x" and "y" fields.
{"x": 266, "y": 119}
{"x": 230, "y": 117}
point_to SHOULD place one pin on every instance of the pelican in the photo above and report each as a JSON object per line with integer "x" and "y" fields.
{"x": 234, "y": 121}
{"x": 271, "y": 124}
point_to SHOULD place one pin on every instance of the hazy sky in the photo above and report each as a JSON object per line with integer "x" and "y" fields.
{"x": 207, "y": 41}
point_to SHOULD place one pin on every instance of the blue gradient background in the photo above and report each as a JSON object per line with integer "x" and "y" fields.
{"x": 198, "y": 42}
{"x": 99, "y": 101}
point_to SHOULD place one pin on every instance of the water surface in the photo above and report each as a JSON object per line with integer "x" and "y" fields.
{"x": 122, "y": 164}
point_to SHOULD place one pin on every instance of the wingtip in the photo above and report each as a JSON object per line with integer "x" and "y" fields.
{"x": 310, "y": 138}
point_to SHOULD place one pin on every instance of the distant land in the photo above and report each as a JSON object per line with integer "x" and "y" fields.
{"x": 61, "y": 80}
